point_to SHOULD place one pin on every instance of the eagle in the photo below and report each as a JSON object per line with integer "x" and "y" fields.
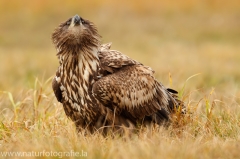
{"x": 101, "y": 88}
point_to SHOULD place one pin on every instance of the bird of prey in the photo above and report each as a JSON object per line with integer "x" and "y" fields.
{"x": 99, "y": 87}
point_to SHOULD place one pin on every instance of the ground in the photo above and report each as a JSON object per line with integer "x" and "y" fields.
{"x": 193, "y": 47}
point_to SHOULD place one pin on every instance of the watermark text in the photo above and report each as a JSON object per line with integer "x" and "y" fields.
{"x": 59, "y": 154}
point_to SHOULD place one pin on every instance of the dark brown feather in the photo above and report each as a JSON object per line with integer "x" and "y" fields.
{"x": 127, "y": 82}
{"x": 56, "y": 89}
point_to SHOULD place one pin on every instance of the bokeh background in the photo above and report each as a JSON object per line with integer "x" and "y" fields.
{"x": 177, "y": 38}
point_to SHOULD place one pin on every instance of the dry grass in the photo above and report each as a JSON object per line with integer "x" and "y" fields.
{"x": 176, "y": 40}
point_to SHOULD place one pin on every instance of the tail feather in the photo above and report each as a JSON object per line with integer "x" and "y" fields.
{"x": 175, "y": 103}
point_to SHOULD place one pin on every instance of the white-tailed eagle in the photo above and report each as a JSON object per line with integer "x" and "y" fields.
{"x": 102, "y": 87}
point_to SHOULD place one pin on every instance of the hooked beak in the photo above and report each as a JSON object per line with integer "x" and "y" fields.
{"x": 76, "y": 20}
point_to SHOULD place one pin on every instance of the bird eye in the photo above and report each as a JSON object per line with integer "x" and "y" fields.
{"x": 82, "y": 21}
{"x": 68, "y": 23}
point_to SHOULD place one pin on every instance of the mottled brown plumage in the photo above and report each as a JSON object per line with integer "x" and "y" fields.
{"x": 102, "y": 87}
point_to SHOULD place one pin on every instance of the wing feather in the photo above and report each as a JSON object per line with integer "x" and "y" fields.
{"x": 56, "y": 88}
{"x": 138, "y": 91}
{"x": 112, "y": 60}
{"x": 129, "y": 87}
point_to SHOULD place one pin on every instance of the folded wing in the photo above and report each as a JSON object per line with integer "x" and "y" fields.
{"x": 134, "y": 90}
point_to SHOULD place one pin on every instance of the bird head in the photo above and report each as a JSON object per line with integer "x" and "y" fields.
{"x": 75, "y": 34}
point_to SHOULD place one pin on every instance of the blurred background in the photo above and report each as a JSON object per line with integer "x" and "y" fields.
{"x": 177, "y": 39}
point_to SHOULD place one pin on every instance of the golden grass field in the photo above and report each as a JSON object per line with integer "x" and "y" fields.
{"x": 193, "y": 46}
